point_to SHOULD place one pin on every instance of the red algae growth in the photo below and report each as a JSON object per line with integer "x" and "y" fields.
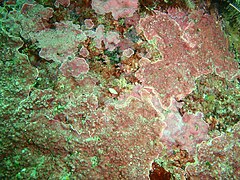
{"x": 102, "y": 89}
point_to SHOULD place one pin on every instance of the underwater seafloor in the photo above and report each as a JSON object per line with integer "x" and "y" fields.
{"x": 116, "y": 90}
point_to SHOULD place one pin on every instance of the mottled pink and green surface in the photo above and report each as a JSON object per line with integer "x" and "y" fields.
{"x": 69, "y": 106}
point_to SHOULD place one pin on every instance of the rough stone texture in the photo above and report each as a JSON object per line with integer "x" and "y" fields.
{"x": 189, "y": 49}
{"x": 218, "y": 99}
{"x": 130, "y": 132}
{"x": 17, "y": 76}
{"x": 218, "y": 158}
{"x": 167, "y": 78}
{"x": 117, "y": 142}
{"x": 31, "y": 18}
{"x": 118, "y": 8}
{"x": 73, "y": 128}
{"x": 184, "y": 131}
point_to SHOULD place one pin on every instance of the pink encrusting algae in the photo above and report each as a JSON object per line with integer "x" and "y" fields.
{"x": 96, "y": 90}
{"x": 190, "y": 46}
{"x": 118, "y": 8}
{"x": 74, "y": 67}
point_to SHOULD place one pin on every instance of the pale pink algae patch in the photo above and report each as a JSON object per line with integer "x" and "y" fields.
{"x": 74, "y": 67}
{"x": 118, "y": 8}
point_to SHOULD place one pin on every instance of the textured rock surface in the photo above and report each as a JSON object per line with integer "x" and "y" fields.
{"x": 218, "y": 157}
{"x": 189, "y": 49}
{"x": 75, "y": 105}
